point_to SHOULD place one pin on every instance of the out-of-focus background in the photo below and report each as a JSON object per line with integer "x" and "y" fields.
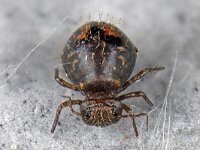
{"x": 32, "y": 35}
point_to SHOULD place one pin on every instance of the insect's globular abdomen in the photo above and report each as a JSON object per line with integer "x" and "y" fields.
{"x": 99, "y": 51}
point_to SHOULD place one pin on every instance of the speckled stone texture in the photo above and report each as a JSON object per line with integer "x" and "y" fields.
{"x": 159, "y": 29}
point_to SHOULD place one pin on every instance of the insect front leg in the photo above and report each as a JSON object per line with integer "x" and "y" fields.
{"x": 138, "y": 115}
{"x": 68, "y": 103}
{"x": 131, "y": 115}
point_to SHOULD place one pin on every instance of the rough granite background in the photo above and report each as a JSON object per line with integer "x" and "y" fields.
{"x": 29, "y": 96}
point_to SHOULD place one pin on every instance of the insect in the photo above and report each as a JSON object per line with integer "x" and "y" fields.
{"x": 98, "y": 59}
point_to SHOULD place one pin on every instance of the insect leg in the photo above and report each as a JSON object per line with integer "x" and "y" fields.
{"x": 65, "y": 83}
{"x": 131, "y": 115}
{"x": 138, "y": 76}
{"x": 134, "y": 94}
{"x": 68, "y": 103}
{"x": 138, "y": 115}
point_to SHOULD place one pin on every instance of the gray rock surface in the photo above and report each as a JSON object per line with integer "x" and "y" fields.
{"x": 29, "y": 95}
